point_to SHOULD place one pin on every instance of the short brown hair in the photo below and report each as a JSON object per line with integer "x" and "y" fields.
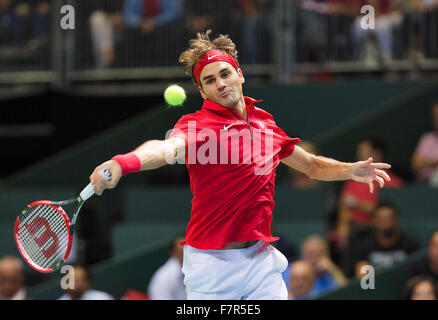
{"x": 201, "y": 45}
{"x": 412, "y": 283}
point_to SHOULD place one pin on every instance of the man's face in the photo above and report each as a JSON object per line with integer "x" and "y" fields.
{"x": 11, "y": 280}
{"x": 221, "y": 83}
{"x": 301, "y": 279}
{"x": 365, "y": 150}
{"x": 4, "y": 4}
{"x": 386, "y": 221}
{"x": 313, "y": 252}
{"x": 423, "y": 291}
{"x": 81, "y": 283}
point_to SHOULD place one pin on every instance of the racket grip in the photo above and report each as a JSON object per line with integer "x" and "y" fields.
{"x": 88, "y": 192}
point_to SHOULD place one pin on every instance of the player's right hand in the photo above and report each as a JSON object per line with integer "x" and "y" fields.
{"x": 100, "y": 183}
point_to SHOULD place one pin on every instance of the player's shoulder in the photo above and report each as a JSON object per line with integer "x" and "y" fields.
{"x": 261, "y": 113}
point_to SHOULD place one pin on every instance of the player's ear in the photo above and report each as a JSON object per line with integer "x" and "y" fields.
{"x": 202, "y": 92}
{"x": 242, "y": 78}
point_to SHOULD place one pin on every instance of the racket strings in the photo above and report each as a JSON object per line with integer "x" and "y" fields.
{"x": 44, "y": 236}
{"x": 45, "y": 242}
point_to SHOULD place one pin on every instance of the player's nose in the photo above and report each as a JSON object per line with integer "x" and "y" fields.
{"x": 220, "y": 85}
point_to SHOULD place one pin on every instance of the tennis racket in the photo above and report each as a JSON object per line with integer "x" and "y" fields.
{"x": 44, "y": 233}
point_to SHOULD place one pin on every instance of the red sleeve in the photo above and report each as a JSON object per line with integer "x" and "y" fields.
{"x": 287, "y": 143}
{"x": 181, "y": 129}
{"x": 187, "y": 128}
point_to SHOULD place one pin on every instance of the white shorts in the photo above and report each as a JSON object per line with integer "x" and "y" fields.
{"x": 253, "y": 273}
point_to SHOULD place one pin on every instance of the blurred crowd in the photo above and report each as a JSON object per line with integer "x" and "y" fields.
{"x": 24, "y": 33}
{"x": 332, "y": 30}
{"x": 138, "y": 33}
{"x": 364, "y": 228}
{"x": 309, "y": 276}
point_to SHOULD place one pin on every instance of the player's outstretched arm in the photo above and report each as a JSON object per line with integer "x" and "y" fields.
{"x": 150, "y": 155}
{"x": 326, "y": 169}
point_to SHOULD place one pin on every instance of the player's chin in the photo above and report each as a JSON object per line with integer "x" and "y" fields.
{"x": 227, "y": 100}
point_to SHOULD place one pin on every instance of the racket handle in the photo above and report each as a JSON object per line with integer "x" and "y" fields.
{"x": 88, "y": 191}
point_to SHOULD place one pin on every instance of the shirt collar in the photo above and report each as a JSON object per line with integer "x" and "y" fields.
{"x": 208, "y": 104}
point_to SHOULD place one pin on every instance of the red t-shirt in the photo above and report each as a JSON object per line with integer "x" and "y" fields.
{"x": 361, "y": 192}
{"x": 231, "y": 163}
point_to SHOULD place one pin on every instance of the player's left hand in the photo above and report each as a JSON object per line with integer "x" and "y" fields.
{"x": 368, "y": 172}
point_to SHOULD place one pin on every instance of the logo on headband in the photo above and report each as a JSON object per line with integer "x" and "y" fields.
{"x": 210, "y": 57}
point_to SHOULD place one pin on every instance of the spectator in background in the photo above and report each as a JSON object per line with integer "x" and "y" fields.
{"x": 429, "y": 265}
{"x": 224, "y": 16}
{"x": 82, "y": 287}
{"x": 311, "y": 31}
{"x": 167, "y": 283}
{"x": 358, "y": 272}
{"x": 150, "y": 14}
{"x": 42, "y": 11}
{"x": 257, "y": 30}
{"x": 412, "y": 11}
{"x": 327, "y": 275}
{"x": 356, "y": 202}
{"x": 12, "y": 279}
{"x": 388, "y": 16}
{"x": 300, "y": 181}
{"x": 106, "y": 31}
{"x": 424, "y": 160}
{"x": 12, "y": 23}
{"x": 198, "y": 16}
{"x": 421, "y": 288}
{"x": 24, "y": 31}
{"x": 385, "y": 246}
{"x": 150, "y": 26}
{"x": 301, "y": 279}
{"x": 428, "y": 11}
{"x": 339, "y": 23}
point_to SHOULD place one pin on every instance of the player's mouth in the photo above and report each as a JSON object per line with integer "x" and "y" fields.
{"x": 224, "y": 94}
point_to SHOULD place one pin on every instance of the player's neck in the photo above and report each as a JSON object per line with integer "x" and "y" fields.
{"x": 240, "y": 108}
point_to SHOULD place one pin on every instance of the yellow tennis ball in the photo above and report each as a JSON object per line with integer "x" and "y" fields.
{"x": 175, "y": 95}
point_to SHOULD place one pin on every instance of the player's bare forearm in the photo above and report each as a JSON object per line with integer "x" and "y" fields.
{"x": 326, "y": 169}
{"x": 154, "y": 154}
{"x": 318, "y": 167}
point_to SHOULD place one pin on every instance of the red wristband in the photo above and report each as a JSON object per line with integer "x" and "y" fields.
{"x": 129, "y": 162}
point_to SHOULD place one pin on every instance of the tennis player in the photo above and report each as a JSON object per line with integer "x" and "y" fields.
{"x": 227, "y": 251}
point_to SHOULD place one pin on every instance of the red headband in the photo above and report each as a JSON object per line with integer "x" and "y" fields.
{"x": 210, "y": 57}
